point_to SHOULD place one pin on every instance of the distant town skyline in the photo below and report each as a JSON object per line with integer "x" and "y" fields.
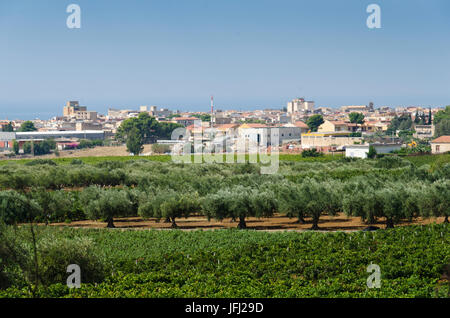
{"x": 248, "y": 54}
{"x": 55, "y": 111}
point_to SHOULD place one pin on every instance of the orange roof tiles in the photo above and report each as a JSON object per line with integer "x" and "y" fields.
{"x": 442, "y": 139}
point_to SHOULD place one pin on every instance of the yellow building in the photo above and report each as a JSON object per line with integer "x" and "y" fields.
{"x": 333, "y": 125}
{"x": 328, "y": 139}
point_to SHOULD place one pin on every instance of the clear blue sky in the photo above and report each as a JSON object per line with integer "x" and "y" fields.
{"x": 247, "y": 53}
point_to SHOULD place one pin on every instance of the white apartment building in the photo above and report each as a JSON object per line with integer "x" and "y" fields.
{"x": 299, "y": 104}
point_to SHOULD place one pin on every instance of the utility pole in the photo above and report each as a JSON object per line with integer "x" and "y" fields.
{"x": 212, "y": 110}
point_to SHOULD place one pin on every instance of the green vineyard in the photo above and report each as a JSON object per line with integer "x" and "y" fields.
{"x": 413, "y": 262}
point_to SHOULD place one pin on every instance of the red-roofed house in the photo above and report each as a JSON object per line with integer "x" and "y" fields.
{"x": 440, "y": 145}
{"x": 302, "y": 125}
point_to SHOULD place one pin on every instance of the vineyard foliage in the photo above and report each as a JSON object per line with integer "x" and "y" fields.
{"x": 230, "y": 263}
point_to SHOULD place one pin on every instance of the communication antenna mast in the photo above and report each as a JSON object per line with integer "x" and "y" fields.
{"x": 212, "y": 109}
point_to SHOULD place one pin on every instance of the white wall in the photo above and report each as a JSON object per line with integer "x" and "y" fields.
{"x": 359, "y": 152}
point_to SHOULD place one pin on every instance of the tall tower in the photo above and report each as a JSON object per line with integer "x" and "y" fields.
{"x": 212, "y": 110}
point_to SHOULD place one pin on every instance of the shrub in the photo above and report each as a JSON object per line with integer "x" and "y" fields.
{"x": 86, "y": 143}
{"x": 55, "y": 254}
{"x": 41, "y": 162}
{"x": 391, "y": 162}
{"x": 57, "y": 206}
{"x": 40, "y": 148}
{"x": 76, "y": 162}
{"x": 12, "y": 256}
{"x": 311, "y": 153}
{"x": 157, "y": 148}
{"x": 372, "y": 152}
{"x": 15, "y": 207}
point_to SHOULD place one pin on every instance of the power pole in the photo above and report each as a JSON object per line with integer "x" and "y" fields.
{"x": 212, "y": 110}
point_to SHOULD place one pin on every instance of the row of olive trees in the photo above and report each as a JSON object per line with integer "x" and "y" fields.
{"x": 370, "y": 200}
{"x": 398, "y": 201}
{"x": 205, "y": 178}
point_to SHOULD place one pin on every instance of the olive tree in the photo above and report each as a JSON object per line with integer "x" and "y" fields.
{"x": 170, "y": 205}
{"x": 239, "y": 202}
{"x": 362, "y": 202}
{"x": 56, "y": 205}
{"x": 318, "y": 198}
{"x": 106, "y": 204}
{"x": 434, "y": 200}
{"x": 392, "y": 198}
{"x": 442, "y": 198}
{"x": 290, "y": 201}
{"x": 413, "y": 195}
{"x": 15, "y": 207}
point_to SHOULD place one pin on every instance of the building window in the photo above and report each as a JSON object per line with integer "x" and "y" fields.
{"x": 438, "y": 148}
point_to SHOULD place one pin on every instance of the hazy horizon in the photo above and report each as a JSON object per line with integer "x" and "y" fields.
{"x": 248, "y": 54}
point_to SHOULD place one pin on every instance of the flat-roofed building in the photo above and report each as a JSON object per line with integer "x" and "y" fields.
{"x": 327, "y": 139}
{"x": 423, "y": 131}
{"x": 299, "y": 104}
{"x": 68, "y": 134}
{"x": 262, "y": 134}
{"x": 72, "y": 109}
{"x": 354, "y": 108}
{"x": 185, "y": 121}
{"x": 361, "y": 151}
{"x": 440, "y": 145}
{"x": 88, "y": 126}
{"x": 6, "y": 140}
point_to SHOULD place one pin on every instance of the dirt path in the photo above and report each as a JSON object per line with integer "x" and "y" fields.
{"x": 276, "y": 223}
{"x": 96, "y": 152}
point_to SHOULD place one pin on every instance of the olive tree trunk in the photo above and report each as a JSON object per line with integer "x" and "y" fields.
{"x": 389, "y": 223}
{"x": 300, "y": 220}
{"x": 242, "y": 224}
{"x": 315, "y": 221}
{"x": 174, "y": 225}
{"x": 110, "y": 224}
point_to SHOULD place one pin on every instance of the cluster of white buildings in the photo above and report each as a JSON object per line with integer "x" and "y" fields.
{"x": 286, "y": 126}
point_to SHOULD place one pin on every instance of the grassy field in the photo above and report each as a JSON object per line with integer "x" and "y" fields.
{"x": 166, "y": 158}
{"x": 431, "y": 160}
